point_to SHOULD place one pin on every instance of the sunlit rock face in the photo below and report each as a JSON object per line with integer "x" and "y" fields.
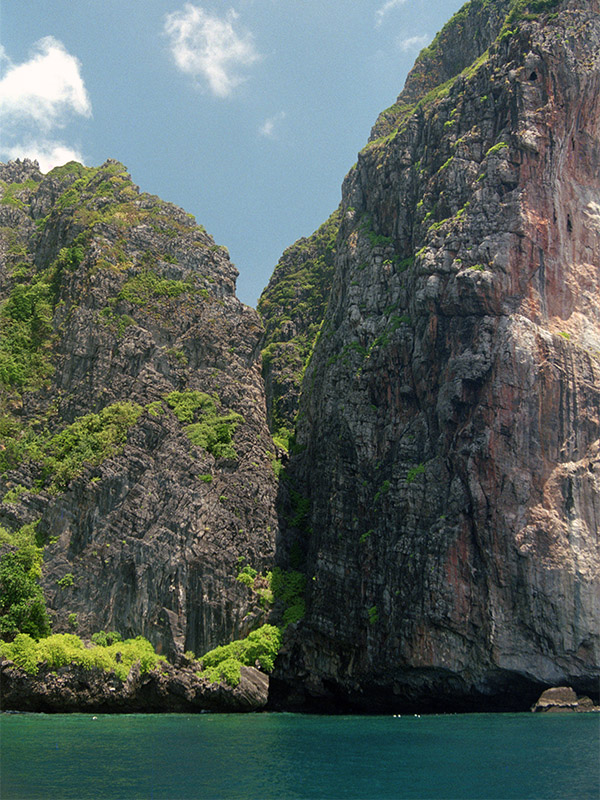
{"x": 450, "y": 415}
{"x": 122, "y": 301}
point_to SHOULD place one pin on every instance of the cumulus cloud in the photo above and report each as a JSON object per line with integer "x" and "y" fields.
{"x": 38, "y": 96}
{"x": 46, "y": 88}
{"x": 268, "y": 128}
{"x": 212, "y": 49}
{"x": 413, "y": 42}
{"x": 389, "y": 5}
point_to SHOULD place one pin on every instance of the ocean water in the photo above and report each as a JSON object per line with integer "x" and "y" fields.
{"x": 295, "y": 756}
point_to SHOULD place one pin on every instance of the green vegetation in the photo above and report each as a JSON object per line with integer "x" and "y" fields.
{"x": 446, "y": 164}
{"x": 376, "y": 240}
{"x": 247, "y": 576}
{"x": 213, "y": 431}
{"x": 185, "y": 404}
{"x": 140, "y": 289}
{"x": 12, "y": 496}
{"x": 155, "y": 409}
{"x": 25, "y": 331}
{"x": 300, "y": 510}
{"x": 285, "y": 586}
{"x": 22, "y": 606}
{"x": 88, "y": 441}
{"x": 106, "y": 638}
{"x": 224, "y": 663}
{"x": 373, "y": 615}
{"x": 435, "y": 71}
{"x": 289, "y": 586}
{"x": 66, "y": 580}
{"x": 527, "y": 9}
{"x": 61, "y": 649}
{"x": 496, "y": 148}
{"x": 413, "y": 472}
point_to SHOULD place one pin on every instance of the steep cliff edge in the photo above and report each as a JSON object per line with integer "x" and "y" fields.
{"x": 450, "y": 414}
{"x": 134, "y": 433}
{"x": 293, "y": 307}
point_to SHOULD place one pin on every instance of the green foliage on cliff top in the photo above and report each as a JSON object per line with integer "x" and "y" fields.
{"x": 224, "y": 663}
{"x": 61, "y": 649}
{"x": 22, "y": 606}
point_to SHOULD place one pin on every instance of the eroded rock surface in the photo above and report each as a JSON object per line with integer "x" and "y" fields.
{"x": 563, "y": 698}
{"x": 450, "y": 415}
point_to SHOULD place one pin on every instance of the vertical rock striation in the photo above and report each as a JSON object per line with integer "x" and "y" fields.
{"x": 133, "y": 411}
{"x": 450, "y": 415}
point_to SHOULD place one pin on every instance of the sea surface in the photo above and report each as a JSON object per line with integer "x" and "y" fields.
{"x": 295, "y": 756}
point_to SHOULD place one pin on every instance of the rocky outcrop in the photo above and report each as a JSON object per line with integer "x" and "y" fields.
{"x": 563, "y": 698}
{"x": 165, "y": 689}
{"x": 450, "y": 415}
{"x": 134, "y": 418}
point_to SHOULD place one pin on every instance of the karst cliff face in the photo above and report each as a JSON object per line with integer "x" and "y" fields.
{"x": 450, "y": 415}
{"x": 133, "y": 414}
{"x": 431, "y": 356}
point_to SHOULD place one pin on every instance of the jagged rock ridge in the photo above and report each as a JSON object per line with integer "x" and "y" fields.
{"x": 450, "y": 415}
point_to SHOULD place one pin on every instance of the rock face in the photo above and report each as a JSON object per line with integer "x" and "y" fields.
{"x": 439, "y": 338}
{"x": 563, "y": 698}
{"x": 165, "y": 689}
{"x": 133, "y": 414}
{"x": 450, "y": 415}
{"x": 293, "y": 307}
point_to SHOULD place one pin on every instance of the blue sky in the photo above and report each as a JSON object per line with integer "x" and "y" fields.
{"x": 247, "y": 114}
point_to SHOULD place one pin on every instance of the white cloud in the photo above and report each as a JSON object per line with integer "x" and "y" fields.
{"x": 389, "y": 5}
{"x": 209, "y": 47}
{"x": 37, "y": 96}
{"x": 413, "y": 42}
{"x": 268, "y": 127}
{"x": 47, "y": 153}
{"x": 45, "y": 89}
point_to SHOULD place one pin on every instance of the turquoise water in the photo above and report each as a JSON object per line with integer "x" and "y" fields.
{"x": 294, "y": 756}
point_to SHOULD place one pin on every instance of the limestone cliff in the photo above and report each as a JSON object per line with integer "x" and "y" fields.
{"x": 450, "y": 415}
{"x": 133, "y": 416}
{"x": 293, "y": 307}
{"x": 436, "y": 344}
